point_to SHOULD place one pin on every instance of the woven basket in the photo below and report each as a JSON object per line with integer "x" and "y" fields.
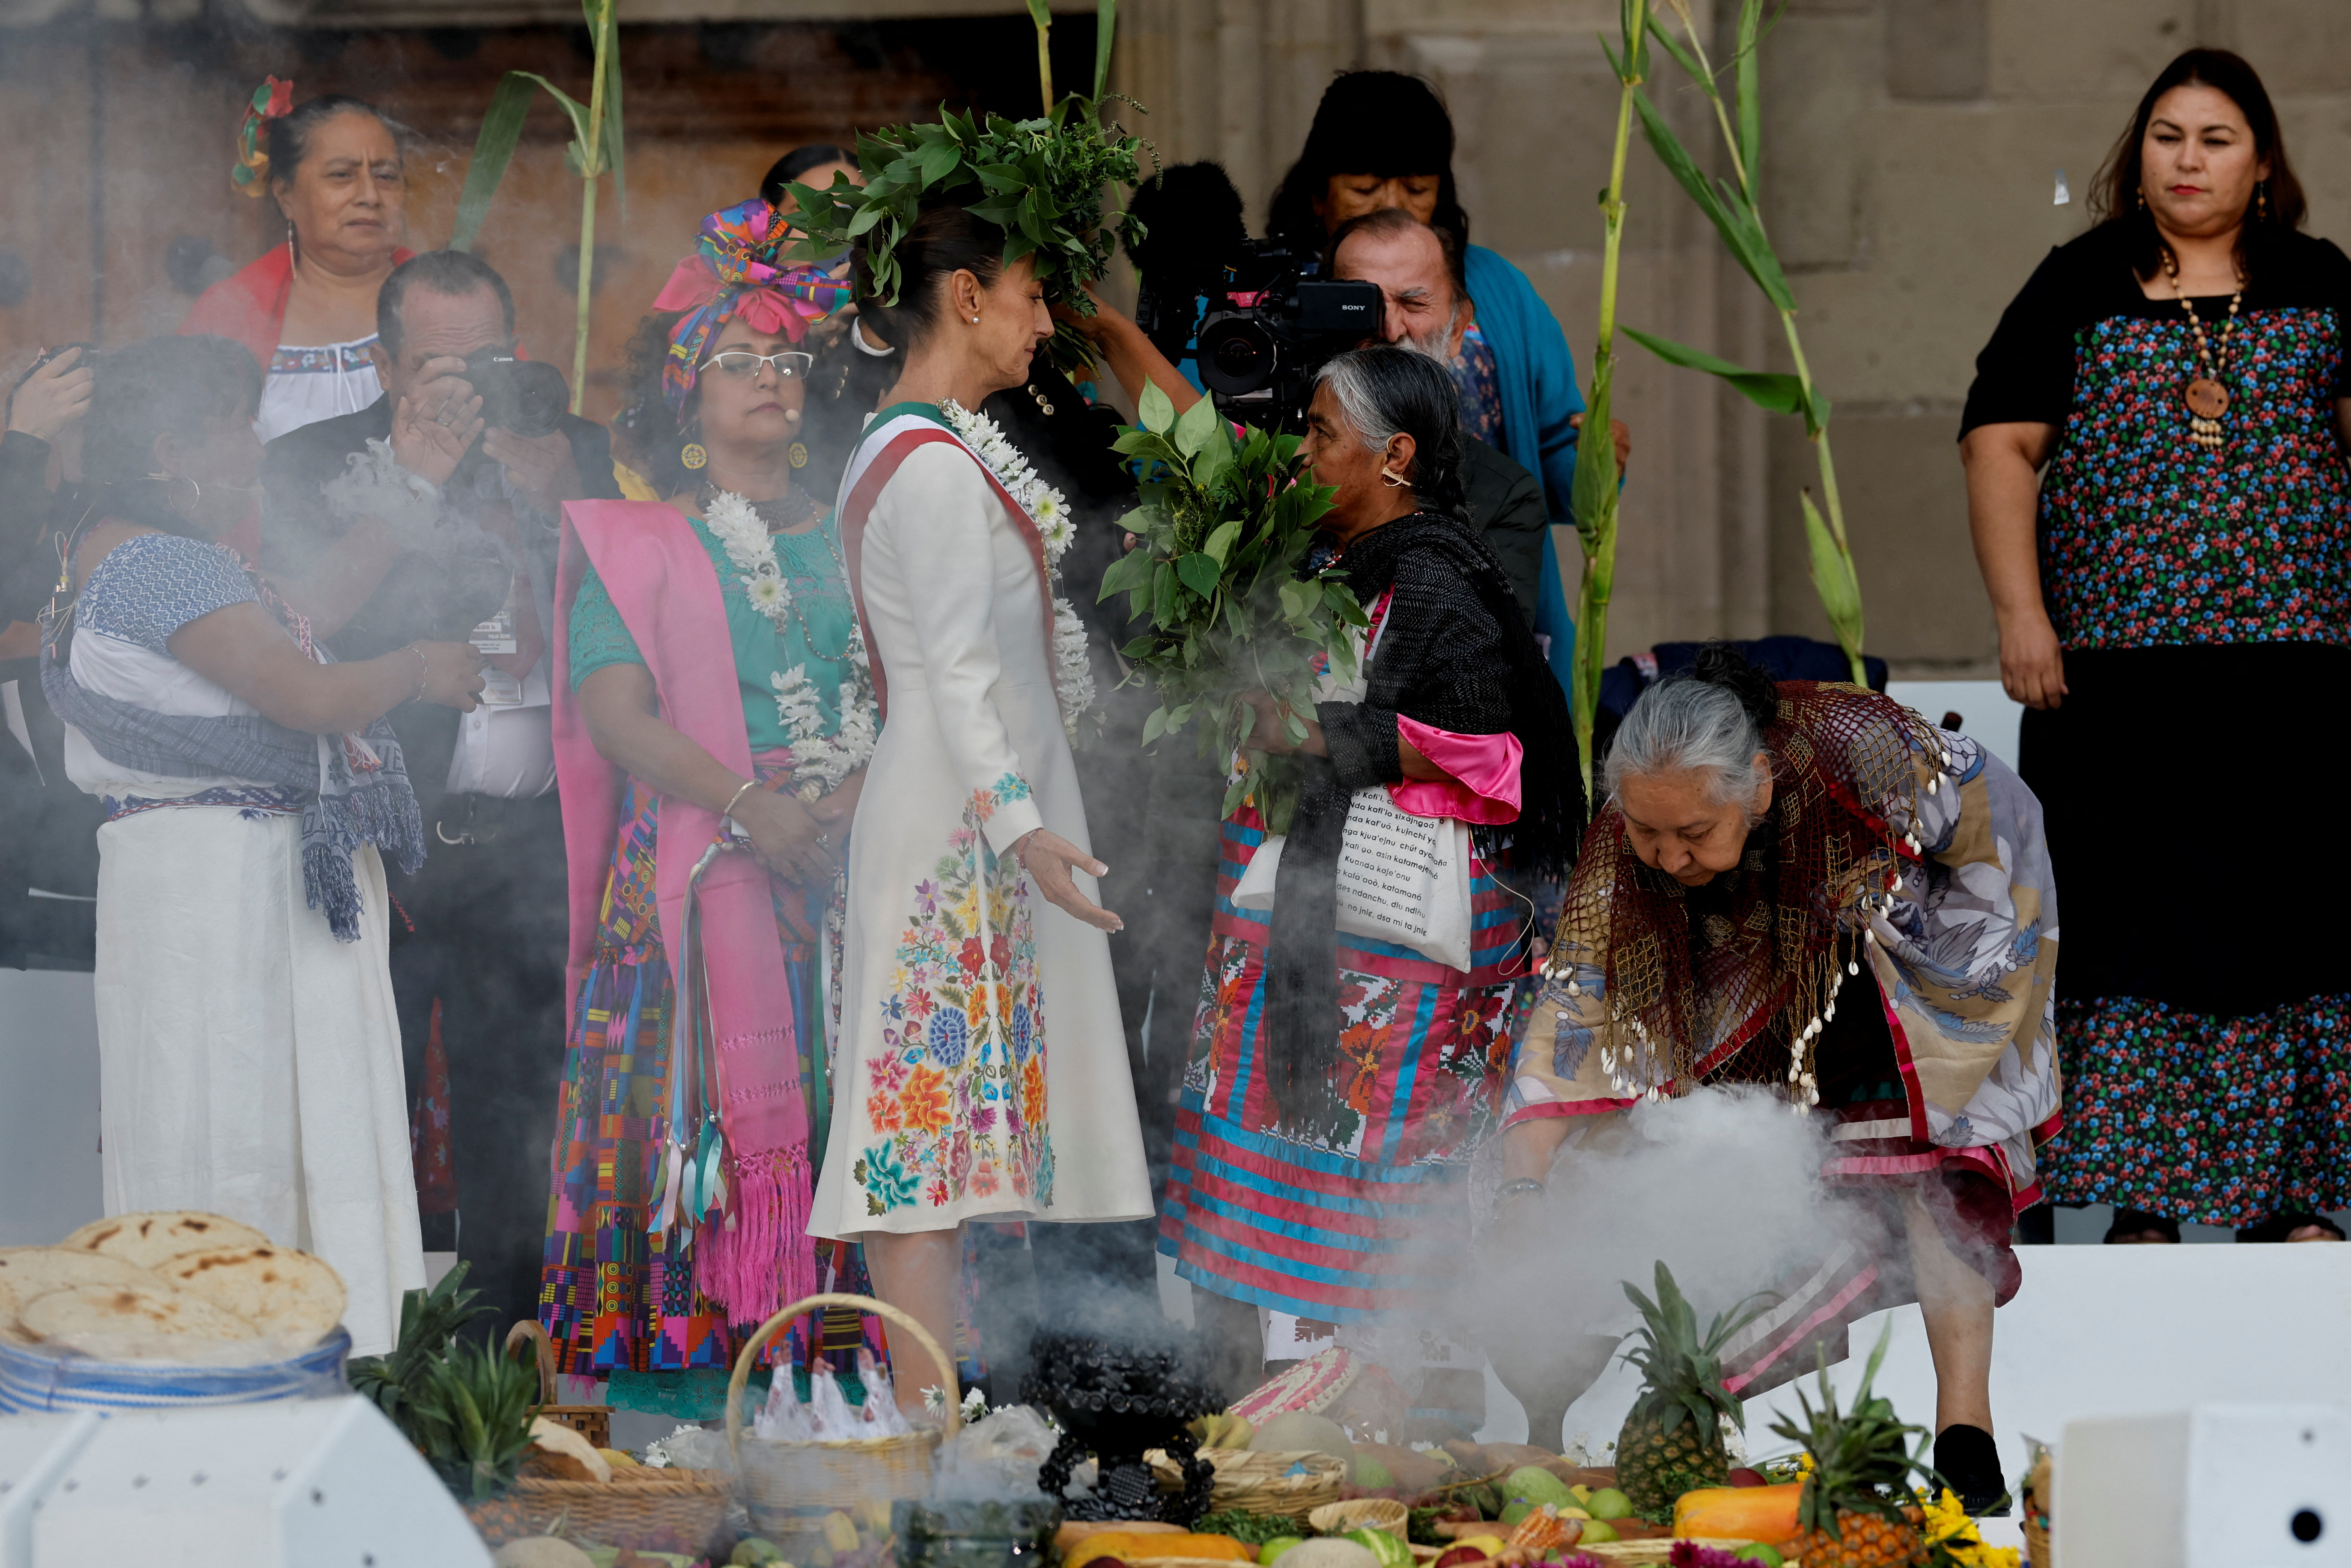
{"x": 1261, "y": 1484}
{"x": 1364, "y": 1513}
{"x": 638, "y": 1508}
{"x": 789, "y": 1488}
{"x": 593, "y": 1422}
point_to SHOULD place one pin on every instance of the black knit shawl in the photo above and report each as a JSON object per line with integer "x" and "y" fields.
{"x": 1454, "y": 654}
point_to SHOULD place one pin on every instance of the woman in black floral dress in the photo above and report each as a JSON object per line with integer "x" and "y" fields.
{"x": 2175, "y": 384}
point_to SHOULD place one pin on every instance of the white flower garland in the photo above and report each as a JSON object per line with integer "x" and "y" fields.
{"x": 820, "y": 761}
{"x": 1073, "y": 676}
{"x": 746, "y": 540}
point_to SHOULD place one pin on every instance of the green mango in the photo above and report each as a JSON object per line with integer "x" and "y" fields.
{"x": 1609, "y": 1503}
{"x": 1276, "y": 1547}
{"x": 1597, "y": 1529}
{"x": 1538, "y": 1487}
{"x": 1518, "y": 1510}
{"x": 1371, "y": 1475}
{"x": 1757, "y": 1551}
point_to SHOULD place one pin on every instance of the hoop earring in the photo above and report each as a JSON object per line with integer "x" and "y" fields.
{"x": 170, "y": 483}
{"x": 694, "y": 454}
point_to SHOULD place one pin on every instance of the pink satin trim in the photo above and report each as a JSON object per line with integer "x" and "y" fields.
{"x": 1484, "y": 769}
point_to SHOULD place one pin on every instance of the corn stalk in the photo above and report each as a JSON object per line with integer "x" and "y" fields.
{"x": 1594, "y": 499}
{"x": 1105, "y": 29}
{"x": 1735, "y": 210}
{"x": 595, "y": 150}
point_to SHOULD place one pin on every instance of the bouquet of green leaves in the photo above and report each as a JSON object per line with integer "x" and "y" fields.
{"x": 1218, "y": 538}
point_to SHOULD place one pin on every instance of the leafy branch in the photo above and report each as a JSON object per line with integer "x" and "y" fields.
{"x": 1220, "y": 536}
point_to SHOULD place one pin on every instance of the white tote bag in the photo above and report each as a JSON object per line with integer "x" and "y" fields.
{"x": 1402, "y": 878}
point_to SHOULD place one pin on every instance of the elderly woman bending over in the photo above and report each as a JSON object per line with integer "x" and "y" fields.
{"x": 1809, "y": 887}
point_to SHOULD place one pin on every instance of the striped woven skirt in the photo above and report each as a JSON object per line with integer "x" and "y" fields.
{"x": 1370, "y": 1216}
{"x": 614, "y": 1299}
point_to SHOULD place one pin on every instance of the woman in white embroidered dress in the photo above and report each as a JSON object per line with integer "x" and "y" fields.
{"x": 949, "y": 1104}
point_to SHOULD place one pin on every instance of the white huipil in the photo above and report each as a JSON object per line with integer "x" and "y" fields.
{"x": 981, "y": 1069}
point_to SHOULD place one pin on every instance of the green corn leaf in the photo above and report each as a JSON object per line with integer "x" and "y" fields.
{"x": 1105, "y": 34}
{"x": 604, "y": 27}
{"x": 1767, "y": 390}
{"x": 1833, "y": 579}
{"x": 494, "y": 148}
{"x": 1157, "y": 411}
{"x": 1748, "y": 87}
{"x": 1594, "y": 493}
{"x": 1682, "y": 57}
{"x": 1724, "y": 207}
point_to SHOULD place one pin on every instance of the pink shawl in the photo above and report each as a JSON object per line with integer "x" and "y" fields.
{"x": 667, "y": 592}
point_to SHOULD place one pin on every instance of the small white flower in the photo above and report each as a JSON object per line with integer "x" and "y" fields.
{"x": 768, "y": 596}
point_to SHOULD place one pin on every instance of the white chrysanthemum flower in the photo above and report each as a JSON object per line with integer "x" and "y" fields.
{"x": 768, "y": 596}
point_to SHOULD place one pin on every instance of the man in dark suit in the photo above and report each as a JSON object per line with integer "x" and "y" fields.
{"x": 482, "y": 966}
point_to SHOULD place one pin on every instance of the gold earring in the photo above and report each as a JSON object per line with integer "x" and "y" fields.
{"x": 2262, "y": 195}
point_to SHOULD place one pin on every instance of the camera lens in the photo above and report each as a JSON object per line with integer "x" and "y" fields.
{"x": 1236, "y": 356}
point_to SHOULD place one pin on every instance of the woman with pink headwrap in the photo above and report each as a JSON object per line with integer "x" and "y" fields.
{"x": 711, "y": 730}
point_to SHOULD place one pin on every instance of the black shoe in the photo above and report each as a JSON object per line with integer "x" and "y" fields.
{"x": 1969, "y": 1462}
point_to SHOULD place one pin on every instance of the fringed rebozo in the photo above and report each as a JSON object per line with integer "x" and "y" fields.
{"x": 759, "y": 1259}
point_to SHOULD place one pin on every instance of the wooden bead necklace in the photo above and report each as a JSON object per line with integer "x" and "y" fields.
{"x": 2206, "y": 398}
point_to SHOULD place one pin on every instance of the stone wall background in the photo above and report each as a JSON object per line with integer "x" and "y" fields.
{"x": 1911, "y": 151}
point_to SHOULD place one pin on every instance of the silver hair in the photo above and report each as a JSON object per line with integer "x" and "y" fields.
{"x": 1681, "y": 726}
{"x": 1375, "y": 425}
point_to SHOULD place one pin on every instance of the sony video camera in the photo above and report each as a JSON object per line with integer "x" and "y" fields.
{"x": 1253, "y": 313}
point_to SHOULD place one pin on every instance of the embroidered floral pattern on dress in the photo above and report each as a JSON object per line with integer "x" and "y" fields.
{"x": 958, "y": 1094}
{"x": 2149, "y": 539}
{"x": 1003, "y": 792}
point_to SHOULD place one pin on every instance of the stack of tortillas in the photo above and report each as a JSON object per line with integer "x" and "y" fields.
{"x": 152, "y": 1283}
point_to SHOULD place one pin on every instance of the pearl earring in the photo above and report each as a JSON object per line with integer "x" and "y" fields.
{"x": 975, "y": 321}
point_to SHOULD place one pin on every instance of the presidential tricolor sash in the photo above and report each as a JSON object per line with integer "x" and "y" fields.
{"x": 895, "y": 433}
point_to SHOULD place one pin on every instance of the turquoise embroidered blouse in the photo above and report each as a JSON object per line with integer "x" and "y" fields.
{"x": 816, "y": 634}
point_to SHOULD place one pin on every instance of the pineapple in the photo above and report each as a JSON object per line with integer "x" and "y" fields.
{"x": 1856, "y": 1510}
{"x": 1672, "y": 1441}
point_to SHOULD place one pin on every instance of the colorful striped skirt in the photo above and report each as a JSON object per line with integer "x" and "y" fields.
{"x": 615, "y": 1300}
{"x": 1372, "y": 1216}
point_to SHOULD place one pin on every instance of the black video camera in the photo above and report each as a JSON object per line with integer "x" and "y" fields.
{"x": 1266, "y": 323}
{"x": 526, "y": 396}
{"x": 1268, "y": 327}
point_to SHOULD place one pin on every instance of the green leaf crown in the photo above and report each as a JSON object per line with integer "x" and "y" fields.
{"x": 1041, "y": 181}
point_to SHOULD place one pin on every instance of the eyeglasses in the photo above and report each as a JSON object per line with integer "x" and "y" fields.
{"x": 742, "y": 363}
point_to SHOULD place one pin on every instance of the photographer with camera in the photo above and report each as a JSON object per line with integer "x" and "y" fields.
{"x": 468, "y": 453}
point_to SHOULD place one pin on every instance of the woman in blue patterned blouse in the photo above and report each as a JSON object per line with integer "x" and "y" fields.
{"x": 248, "y": 1051}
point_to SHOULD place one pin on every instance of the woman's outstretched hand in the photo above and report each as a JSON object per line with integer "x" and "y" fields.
{"x": 1050, "y": 859}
